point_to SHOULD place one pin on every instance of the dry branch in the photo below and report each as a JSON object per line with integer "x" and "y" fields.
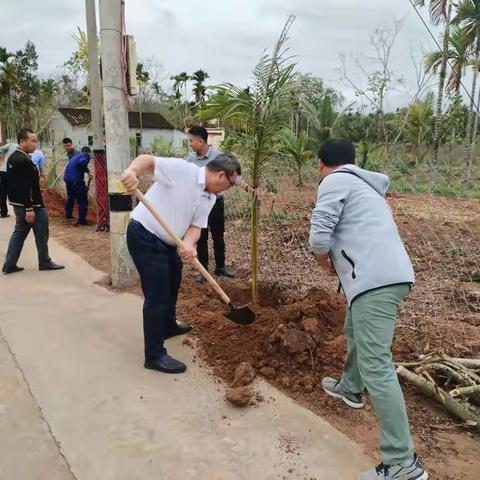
{"x": 465, "y": 391}
{"x": 430, "y": 390}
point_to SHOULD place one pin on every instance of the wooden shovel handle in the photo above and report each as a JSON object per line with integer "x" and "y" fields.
{"x": 178, "y": 241}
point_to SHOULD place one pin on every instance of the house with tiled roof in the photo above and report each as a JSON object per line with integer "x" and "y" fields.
{"x": 145, "y": 129}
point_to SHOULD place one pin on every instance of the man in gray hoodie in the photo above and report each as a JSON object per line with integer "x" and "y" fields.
{"x": 353, "y": 234}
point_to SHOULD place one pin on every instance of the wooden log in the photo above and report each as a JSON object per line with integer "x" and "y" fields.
{"x": 445, "y": 369}
{"x": 465, "y": 391}
{"x": 468, "y": 362}
{"x": 442, "y": 397}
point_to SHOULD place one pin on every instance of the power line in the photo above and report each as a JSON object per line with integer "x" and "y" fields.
{"x": 441, "y": 49}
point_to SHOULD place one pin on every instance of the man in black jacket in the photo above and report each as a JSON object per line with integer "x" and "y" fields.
{"x": 26, "y": 198}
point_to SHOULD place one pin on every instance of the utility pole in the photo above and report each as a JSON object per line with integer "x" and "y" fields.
{"x": 101, "y": 192}
{"x": 117, "y": 136}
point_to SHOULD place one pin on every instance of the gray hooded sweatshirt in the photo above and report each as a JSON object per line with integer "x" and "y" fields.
{"x": 353, "y": 223}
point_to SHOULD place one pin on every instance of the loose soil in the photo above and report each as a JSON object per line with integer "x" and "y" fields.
{"x": 298, "y": 338}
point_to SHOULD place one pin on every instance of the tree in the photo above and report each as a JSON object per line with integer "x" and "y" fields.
{"x": 294, "y": 148}
{"x": 199, "y": 88}
{"x": 459, "y": 55}
{"x": 378, "y": 81}
{"x": 419, "y": 126}
{"x": 259, "y": 112}
{"x": 468, "y": 18}
{"x": 26, "y": 61}
{"x": 440, "y": 10}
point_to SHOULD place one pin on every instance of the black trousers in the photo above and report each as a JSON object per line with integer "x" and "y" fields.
{"x": 216, "y": 225}
{"x": 77, "y": 192}
{"x": 3, "y": 194}
{"x": 160, "y": 270}
{"x": 22, "y": 229}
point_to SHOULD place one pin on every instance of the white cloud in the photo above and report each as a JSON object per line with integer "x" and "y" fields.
{"x": 224, "y": 38}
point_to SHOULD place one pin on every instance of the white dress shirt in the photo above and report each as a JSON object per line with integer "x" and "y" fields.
{"x": 179, "y": 196}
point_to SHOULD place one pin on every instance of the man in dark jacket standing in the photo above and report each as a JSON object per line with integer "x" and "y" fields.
{"x": 74, "y": 178}
{"x": 26, "y": 198}
{"x": 353, "y": 228}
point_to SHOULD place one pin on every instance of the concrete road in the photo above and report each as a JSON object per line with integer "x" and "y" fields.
{"x": 76, "y": 402}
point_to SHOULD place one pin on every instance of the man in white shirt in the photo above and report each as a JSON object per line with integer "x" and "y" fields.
{"x": 184, "y": 195}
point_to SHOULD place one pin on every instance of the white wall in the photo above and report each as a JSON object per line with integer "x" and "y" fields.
{"x": 61, "y": 128}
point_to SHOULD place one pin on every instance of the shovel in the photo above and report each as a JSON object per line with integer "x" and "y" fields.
{"x": 241, "y": 315}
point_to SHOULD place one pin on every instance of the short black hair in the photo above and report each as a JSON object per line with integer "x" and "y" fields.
{"x": 199, "y": 131}
{"x": 67, "y": 140}
{"x": 86, "y": 150}
{"x": 23, "y": 134}
{"x": 225, "y": 162}
{"x": 335, "y": 152}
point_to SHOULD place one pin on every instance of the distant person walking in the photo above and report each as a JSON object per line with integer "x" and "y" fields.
{"x": 6, "y": 150}
{"x": 202, "y": 155}
{"x": 77, "y": 190}
{"x": 26, "y": 198}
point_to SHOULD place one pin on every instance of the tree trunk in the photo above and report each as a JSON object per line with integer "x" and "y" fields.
{"x": 468, "y": 167}
{"x": 471, "y": 113}
{"x": 441, "y": 85}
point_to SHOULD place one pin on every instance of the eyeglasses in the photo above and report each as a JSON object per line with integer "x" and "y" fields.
{"x": 232, "y": 183}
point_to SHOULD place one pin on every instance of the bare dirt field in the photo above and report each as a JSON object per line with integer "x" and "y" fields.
{"x": 298, "y": 336}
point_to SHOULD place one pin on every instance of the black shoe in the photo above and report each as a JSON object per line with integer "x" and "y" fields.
{"x": 7, "y": 270}
{"x": 179, "y": 329}
{"x": 224, "y": 272}
{"x": 200, "y": 279}
{"x": 165, "y": 364}
{"x": 51, "y": 266}
{"x": 69, "y": 218}
{"x": 83, "y": 224}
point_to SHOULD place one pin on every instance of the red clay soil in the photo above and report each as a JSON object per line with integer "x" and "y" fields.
{"x": 298, "y": 338}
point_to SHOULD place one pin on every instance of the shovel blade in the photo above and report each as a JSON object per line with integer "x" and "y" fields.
{"x": 240, "y": 315}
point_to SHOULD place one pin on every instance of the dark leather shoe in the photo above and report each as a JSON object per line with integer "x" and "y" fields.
{"x": 165, "y": 364}
{"x": 51, "y": 266}
{"x": 179, "y": 329}
{"x": 224, "y": 272}
{"x": 7, "y": 270}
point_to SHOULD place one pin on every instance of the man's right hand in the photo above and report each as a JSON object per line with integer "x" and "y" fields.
{"x": 129, "y": 180}
{"x": 30, "y": 216}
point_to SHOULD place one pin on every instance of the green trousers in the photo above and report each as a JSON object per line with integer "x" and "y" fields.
{"x": 369, "y": 328}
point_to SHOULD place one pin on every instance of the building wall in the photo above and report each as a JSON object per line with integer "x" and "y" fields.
{"x": 61, "y": 128}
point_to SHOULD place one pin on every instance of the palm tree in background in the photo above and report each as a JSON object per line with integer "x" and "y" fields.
{"x": 440, "y": 11}
{"x": 459, "y": 55}
{"x": 199, "y": 89}
{"x": 468, "y": 18}
{"x": 295, "y": 148}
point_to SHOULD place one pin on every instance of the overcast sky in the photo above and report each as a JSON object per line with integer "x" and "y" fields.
{"x": 226, "y": 37}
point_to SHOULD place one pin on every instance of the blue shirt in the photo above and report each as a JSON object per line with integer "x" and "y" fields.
{"x": 76, "y": 167}
{"x": 38, "y": 158}
{"x": 202, "y": 161}
{"x": 72, "y": 153}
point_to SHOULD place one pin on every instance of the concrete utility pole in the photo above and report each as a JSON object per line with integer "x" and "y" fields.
{"x": 101, "y": 193}
{"x": 117, "y": 136}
